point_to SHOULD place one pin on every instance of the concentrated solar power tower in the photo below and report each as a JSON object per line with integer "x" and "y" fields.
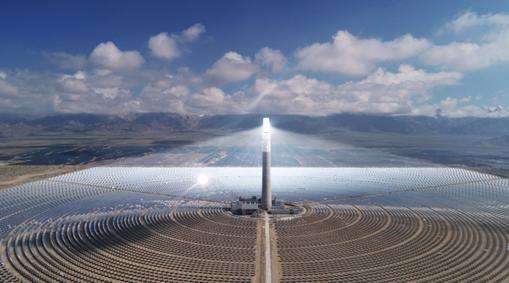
{"x": 266, "y": 184}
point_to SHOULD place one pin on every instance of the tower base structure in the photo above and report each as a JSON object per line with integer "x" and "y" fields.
{"x": 254, "y": 206}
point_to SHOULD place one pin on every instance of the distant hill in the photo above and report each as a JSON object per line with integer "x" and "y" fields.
{"x": 169, "y": 122}
{"x": 399, "y": 124}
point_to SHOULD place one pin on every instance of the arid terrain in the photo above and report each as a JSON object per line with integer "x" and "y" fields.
{"x": 39, "y": 147}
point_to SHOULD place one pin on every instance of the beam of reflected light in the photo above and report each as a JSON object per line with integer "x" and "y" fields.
{"x": 254, "y": 104}
{"x": 290, "y": 149}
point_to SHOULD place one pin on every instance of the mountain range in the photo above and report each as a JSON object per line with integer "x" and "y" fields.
{"x": 15, "y": 125}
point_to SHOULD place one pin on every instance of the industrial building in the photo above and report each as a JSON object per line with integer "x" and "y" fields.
{"x": 245, "y": 206}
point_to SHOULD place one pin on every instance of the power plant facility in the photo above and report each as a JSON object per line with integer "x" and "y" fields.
{"x": 252, "y": 205}
{"x": 254, "y": 223}
{"x": 214, "y": 146}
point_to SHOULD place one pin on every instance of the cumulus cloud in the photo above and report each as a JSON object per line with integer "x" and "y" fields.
{"x": 26, "y": 91}
{"x": 108, "y": 55}
{"x": 167, "y": 47}
{"x": 405, "y": 91}
{"x": 112, "y": 92}
{"x": 164, "y": 47}
{"x": 351, "y": 55}
{"x": 149, "y": 90}
{"x": 214, "y": 100}
{"x": 74, "y": 83}
{"x": 492, "y": 49}
{"x": 297, "y": 95}
{"x": 101, "y": 83}
{"x": 470, "y": 20}
{"x": 388, "y": 92}
{"x": 207, "y": 98}
{"x": 164, "y": 94}
{"x": 96, "y": 91}
{"x": 114, "y": 100}
{"x": 380, "y": 92}
{"x": 193, "y": 32}
{"x": 409, "y": 75}
{"x": 232, "y": 67}
{"x": 466, "y": 56}
{"x": 271, "y": 59}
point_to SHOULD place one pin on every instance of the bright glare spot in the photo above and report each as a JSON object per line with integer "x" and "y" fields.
{"x": 266, "y": 125}
{"x": 202, "y": 180}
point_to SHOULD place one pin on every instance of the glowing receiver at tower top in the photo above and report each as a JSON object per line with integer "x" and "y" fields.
{"x": 266, "y": 160}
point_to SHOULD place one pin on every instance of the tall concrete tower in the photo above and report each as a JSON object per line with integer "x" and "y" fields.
{"x": 266, "y": 184}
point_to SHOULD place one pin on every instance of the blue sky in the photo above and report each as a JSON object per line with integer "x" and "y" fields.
{"x": 298, "y": 57}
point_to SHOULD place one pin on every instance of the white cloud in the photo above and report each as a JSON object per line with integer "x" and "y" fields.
{"x": 208, "y": 98}
{"x": 112, "y": 92}
{"x": 409, "y": 75}
{"x": 213, "y": 100}
{"x": 405, "y": 91}
{"x": 164, "y": 46}
{"x": 466, "y": 56}
{"x": 271, "y": 59}
{"x": 168, "y": 93}
{"x": 193, "y": 32}
{"x": 492, "y": 49}
{"x": 96, "y": 91}
{"x": 164, "y": 95}
{"x": 387, "y": 92}
{"x": 380, "y": 92}
{"x": 74, "y": 83}
{"x": 350, "y": 55}
{"x": 99, "y": 86}
{"x": 297, "y": 95}
{"x": 470, "y": 20}
{"x": 107, "y": 55}
{"x": 232, "y": 67}
{"x": 402, "y": 92}
{"x": 295, "y": 86}
{"x": 26, "y": 91}
{"x": 101, "y": 82}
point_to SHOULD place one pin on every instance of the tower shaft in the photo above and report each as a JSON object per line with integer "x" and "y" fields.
{"x": 266, "y": 165}
{"x": 266, "y": 185}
